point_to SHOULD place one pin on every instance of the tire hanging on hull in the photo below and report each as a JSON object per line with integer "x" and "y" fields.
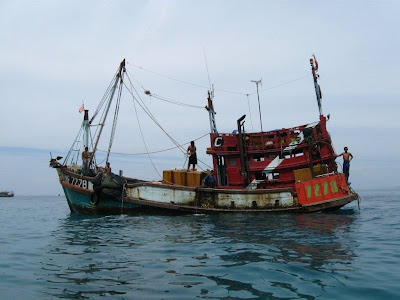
{"x": 94, "y": 199}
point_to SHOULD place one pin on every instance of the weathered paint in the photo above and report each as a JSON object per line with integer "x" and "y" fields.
{"x": 163, "y": 194}
{"x": 322, "y": 189}
{"x": 329, "y": 205}
{"x": 78, "y": 197}
{"x": 211, "y": 198}
{"x": 242, "y": 200}
{"x": 149, "y": 197}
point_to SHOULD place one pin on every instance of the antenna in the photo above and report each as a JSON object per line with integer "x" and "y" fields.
{"x": 257, "y": 82}
{"x": 208, "y": 73}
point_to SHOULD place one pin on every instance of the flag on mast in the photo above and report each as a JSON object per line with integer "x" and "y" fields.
{"x": 82, "y": 108}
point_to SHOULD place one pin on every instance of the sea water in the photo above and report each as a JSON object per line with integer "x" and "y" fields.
{"x": 48, "y": 253}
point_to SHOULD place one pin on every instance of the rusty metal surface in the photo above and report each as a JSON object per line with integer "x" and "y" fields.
{"x": 211, "y": 198}
{"x": 329, "y": 205}
{"x": 204, "y": 200}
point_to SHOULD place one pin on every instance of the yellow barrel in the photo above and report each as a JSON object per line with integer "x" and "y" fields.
{"x": 168, "y": 177}
{"x": 193, "y": 178}
{"x": 179, "y": 177}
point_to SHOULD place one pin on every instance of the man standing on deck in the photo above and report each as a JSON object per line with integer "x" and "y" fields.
{"x": 347, "y": 157}
{"x": 85, "y": 161}
{"x": 191, "y": 151}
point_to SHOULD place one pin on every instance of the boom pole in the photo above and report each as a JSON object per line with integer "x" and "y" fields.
{"x": 118, "y": 78}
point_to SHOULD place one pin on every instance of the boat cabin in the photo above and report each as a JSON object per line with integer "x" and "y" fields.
{"x": 273, "y": 159}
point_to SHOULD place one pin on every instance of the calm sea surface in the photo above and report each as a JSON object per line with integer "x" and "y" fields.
{"x": 47, "y": 253}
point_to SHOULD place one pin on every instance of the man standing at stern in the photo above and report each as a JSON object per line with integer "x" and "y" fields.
{"x": 347, "y": 157}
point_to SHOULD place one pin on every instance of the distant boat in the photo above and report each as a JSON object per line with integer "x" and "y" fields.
{"x": 6, "y": 194}
{"x": 282, "y": 170}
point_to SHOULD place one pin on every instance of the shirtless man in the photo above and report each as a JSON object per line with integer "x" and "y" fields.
{"x": 85, "y": 161}
{"x": 347, "y": 157}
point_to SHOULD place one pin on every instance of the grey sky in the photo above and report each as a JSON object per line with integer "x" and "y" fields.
{"x": 54, "y": 54}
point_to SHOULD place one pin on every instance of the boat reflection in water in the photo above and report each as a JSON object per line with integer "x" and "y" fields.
{"x": 211, "y": 256}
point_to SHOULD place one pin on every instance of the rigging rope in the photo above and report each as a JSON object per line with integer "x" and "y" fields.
{"x": 147, "y": 111}
{"x": 154, "y": 152}
{"x": 103, "y": 100}
{"x": 168, "y": 77}
{"x": 251, "y": 119}
{"x": 220, "y": 90}
{"x": 150, "y": 94}
{"x": 114, "y": 126}
{"x": 282, "y": 84}
{"x": 144, "y": 142}
{"x": 173, "y": 101}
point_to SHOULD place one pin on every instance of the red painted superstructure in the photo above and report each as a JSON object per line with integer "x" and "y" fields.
{"x": 268, "y": 159}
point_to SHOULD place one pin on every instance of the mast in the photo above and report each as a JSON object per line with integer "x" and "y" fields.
{"x": 118, "y": 79}
{"x": 314, "y": 70}
{"x": 86, "y": 129}
{"x": 242, "y": 149}
{"x": 211, "y": 112}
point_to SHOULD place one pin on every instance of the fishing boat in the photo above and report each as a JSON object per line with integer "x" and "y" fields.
{"x": 6, "y": 194}
{"x": 289, "y": 170}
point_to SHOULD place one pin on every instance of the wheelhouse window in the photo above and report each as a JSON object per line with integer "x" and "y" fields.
{"x": 258, "y": 158}
{"x": 232, "y": 161}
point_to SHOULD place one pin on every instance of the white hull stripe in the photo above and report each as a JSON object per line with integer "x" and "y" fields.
{"x": 277, "y": 161}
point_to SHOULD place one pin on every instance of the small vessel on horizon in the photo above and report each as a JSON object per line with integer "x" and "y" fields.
{"x": 7, "y": 194}
{"x": 281, "y": 170}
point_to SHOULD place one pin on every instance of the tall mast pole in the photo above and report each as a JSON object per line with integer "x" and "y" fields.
{"x": 118, "y": 78}
{"x": 86, "y": 129}
{"x": 257, "y": 82}
{"x": 314, "y": 69}
{"x": 211, "y": 112}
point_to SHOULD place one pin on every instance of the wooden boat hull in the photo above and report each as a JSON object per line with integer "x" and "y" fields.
{"x": 80, "y": 197}
{"x": 204, "y": 200}
{"x": 154, "y": 197}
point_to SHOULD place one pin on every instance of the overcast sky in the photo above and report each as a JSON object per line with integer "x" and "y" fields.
{"x": 56, "y": 54}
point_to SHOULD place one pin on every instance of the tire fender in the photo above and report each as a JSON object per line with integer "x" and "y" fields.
{"x": 94, "y": 198}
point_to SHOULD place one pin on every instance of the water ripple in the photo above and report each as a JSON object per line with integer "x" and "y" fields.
{"x": 352, "y": 253}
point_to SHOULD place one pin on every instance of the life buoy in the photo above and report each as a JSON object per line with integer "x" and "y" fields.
{"x": 94, "y": 199}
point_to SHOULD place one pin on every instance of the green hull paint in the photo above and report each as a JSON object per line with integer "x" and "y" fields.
{"x": 80, "y": 203}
